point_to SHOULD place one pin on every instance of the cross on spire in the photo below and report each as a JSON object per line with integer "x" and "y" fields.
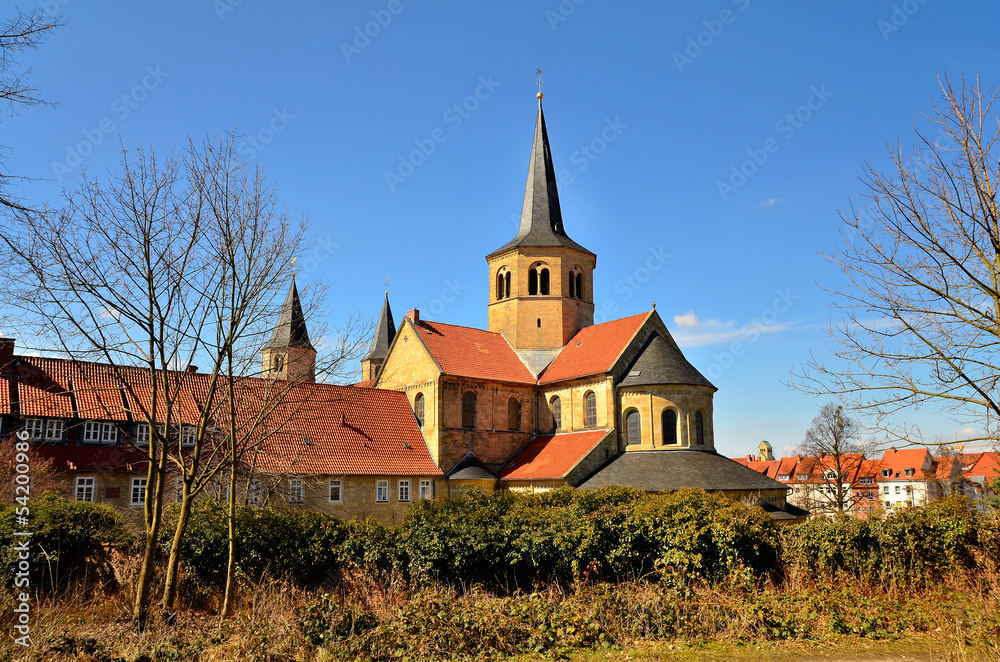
{"x": 538, "y": 79}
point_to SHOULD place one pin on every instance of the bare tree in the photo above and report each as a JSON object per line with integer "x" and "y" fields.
{"x": 833, "y": 440}
{"x": 24, "y": 32}
{"x": 923, "y": 262}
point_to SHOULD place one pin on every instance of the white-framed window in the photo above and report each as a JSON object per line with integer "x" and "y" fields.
{"x": 188, "y": 436}
{"x": 336, "y": 491}
{"x": 866, "y": 480}
{"x": 382, "y": 491}
{"x": 404, "y": 490}
{"x": 138, "y": 492}
{"x": 255, "y": 492}
{"x": 886, "y": 473}
{"x": 42, "y": 429}
{"x": 803, "y": 476}
{"x": 888, "y": 504}
{"x": 142, "y": 434}
{"x": 426, "y": 490}
{"x": 99, "y": 433}
{"x": 296, "y": 491}
{"x": 783, "y": 476}
{"x": 897, "y": 489}
{"x": 907, "y": 472}
{"x": 885, "y": 489}
{"x": 85, "y": 488}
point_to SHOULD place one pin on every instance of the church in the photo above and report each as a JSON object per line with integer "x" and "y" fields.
{"x": 544, "y": 397}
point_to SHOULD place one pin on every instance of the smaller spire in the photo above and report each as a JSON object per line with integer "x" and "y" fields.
{"x": 291, "y": 328}
{"x": 385, "y": 331}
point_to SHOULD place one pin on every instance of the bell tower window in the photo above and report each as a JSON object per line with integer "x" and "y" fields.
{"x": 579, "y": 286}
{"x": 572, "y": 286}
{"x": 507, "y": 284}
{"x": 543, "y": 281}
{"x": 533, "y": 282}
{"x": 499, "y": 286}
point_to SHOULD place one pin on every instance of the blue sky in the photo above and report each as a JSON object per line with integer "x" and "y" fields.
{"x": 650, "y": 108}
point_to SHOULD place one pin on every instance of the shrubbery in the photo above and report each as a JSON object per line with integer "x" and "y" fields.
{"x": 67, "y": 541}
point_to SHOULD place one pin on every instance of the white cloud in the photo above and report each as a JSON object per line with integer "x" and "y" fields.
{"x": 789, "y": 451}
{"x": 967, "y": 433}
{"x": 769, "y": 202}
{"x": 687, "y": 320}
{"x": 728, "y": 332}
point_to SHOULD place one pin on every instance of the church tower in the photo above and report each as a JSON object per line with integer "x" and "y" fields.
{"x": 289, "y": 354}
{"x": 385, "y": 331}
{"x": 541, "y": 282}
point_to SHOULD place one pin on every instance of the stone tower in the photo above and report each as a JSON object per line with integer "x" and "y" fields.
{"x": 541, "y": 282}
{"x": 289, "y": 354}
{"x": 385, "y": 331}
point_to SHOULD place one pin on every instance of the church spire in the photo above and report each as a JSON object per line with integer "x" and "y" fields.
{"x": 541, "y": 216}
{"x": 291, "y": 328}
{"x": 385, "y": 331}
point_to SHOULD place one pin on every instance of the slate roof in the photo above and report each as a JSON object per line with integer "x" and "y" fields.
{"x": 385, "y": 331}
{"x": 552, "y": 456}
{"x": 668, "y": 471}
{"x": 661, "y": 362}
{"x": 466, "y": 352}
{"x": 470, "y": 468}
{"x": 291, "y": 328}
{"x": 541, "y": 216}
{"x": 593, "y": 350}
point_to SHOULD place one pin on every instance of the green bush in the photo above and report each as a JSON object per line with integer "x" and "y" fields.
{"x": 67, "y": 542}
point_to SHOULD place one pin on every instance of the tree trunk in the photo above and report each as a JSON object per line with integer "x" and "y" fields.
{"x": 227, "y": 604}
{"x": 173, "y": 563}
{"x": 153, "y": 512}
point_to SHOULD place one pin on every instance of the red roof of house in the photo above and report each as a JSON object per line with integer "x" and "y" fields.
{"x": 350, "y": 431}
{"x": 898, "y": 460}
{"x": 551, "y": 456}
{"x": 987, "y": 466}
{"x": 467, "y": 352}
{"x": 593, "y": 349}
{"x": 943, "y": 467}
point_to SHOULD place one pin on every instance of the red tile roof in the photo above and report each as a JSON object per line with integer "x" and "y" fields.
{"x": 898, "y": 461}
{"x": 350, "y": 431}
{"x": 987, "y": 466}
{"x": 551, "y": 456}
{"x": 466, "y": 352}
{"x": 594, "y": 349}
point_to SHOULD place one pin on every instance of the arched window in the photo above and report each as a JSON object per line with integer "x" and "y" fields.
{"x": 499, "y": 286}
{"x": 669, "y": 426}
{"x": 590, "y": 409}
{"x": 633, "y": 428}
{"x": 579, "y": 286}
{"x": 699, "y": 428}
{"x": 572, "y": 286}
{"x": 533, "y": 281}
{"x": 418, "y": 408}
{"x": 556, "y": 413}
{"x": 469, "y": 410}
{"x": 543, "y": 281}
{"x": 513, "y": 414}
{"x": 279, "y": 362}
{"x": 507, "y": 284}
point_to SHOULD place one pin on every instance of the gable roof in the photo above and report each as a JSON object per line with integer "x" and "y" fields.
{"x": 986, "y": 466}
{"x": 541, "y": 216}
{"x": 594, "y": 349}
{"x": 897, "y": 461}
{"x": 466, "y": 352}
{"x": 661, "y": 362}
{"x": 552, "y": 456}
{"x": 470, "y": 468}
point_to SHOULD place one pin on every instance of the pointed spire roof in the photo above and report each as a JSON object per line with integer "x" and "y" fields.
{"x": 291, "y": 328}
{"x": 385, "y": 331}
{"x": 541, "y": 217}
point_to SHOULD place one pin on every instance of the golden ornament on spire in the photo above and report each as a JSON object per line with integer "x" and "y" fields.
{"x": 540, "y": 83}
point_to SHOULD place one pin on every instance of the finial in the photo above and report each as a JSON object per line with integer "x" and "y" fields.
{"x": 538, "y": 80}
{"x": 654, "y": 305}
{"x": 387, "y": 286}
{"x": 293, "y": 267}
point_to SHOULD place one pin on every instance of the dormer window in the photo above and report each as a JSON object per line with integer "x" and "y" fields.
{"x": 907, "y": 472}
{"x": 99, "y": 433}
{"x": 783, "y": 476}
{"x": 803, "y": 476}
{"x": 886, "y": 473}
{"x": 41, "y": 429}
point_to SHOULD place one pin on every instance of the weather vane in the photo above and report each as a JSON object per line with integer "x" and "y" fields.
{"x": 387, "y": 285}
{"x": 539, "y": 81}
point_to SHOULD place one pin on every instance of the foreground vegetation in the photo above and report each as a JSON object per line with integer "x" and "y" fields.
{"x": 494, "y": 576}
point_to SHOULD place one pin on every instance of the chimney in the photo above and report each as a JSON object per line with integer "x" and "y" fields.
{"x": 414, "y": 316}
{"x": 192, "y": 369}
{"x": 6, "y": 355}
